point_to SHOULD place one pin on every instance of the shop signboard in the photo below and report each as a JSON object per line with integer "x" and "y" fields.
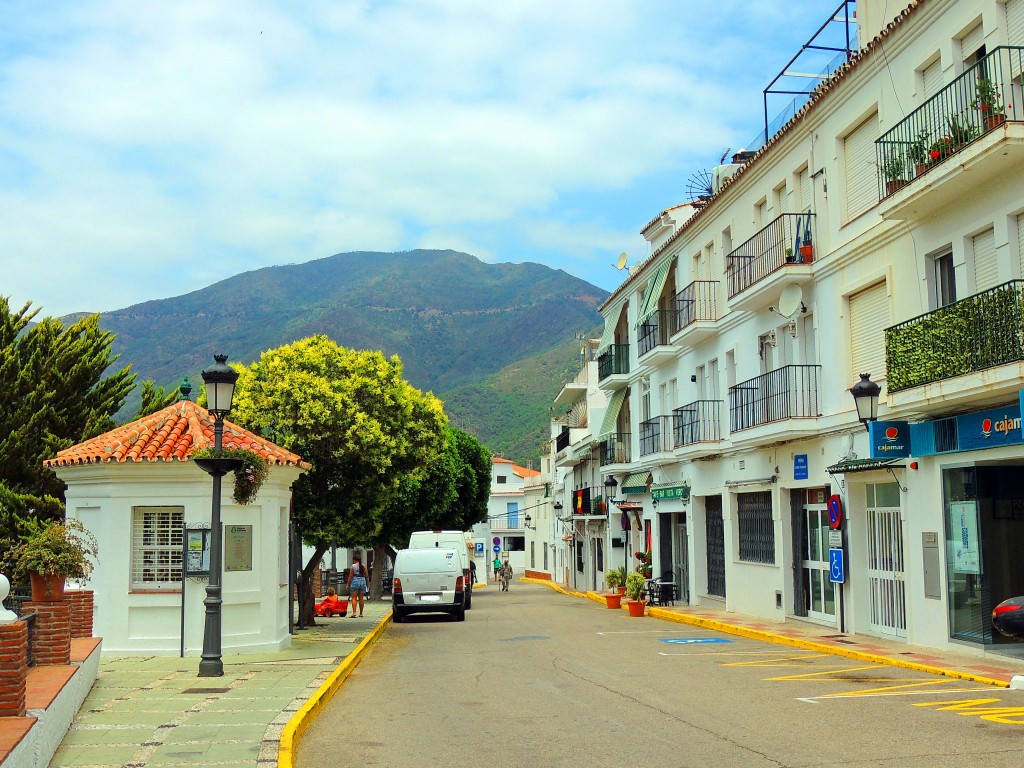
{"x": 671, "y": 492}
{"x": 989, "y": 429}
{"x": 889, "y": 439}
{"x": 800, "y": 466}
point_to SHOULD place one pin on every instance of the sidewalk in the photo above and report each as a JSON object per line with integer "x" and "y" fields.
{"x": 988, "y": 669}
{"x": 154, "y": 710}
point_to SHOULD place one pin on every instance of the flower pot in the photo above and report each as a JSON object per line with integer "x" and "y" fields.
{"x": 621, "y": 590}
{"x": 920, "y": 168}
{"x": 46, "y": 587}
{"x": 636, "y": 607}
{"x": 893, "y": 185}
{"x": 994, "y": 121}
{"x": 806, "y": 253}
{"x": 613, "y": 600}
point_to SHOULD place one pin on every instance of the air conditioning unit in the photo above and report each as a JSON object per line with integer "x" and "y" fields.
{"x": 720, "y": 174}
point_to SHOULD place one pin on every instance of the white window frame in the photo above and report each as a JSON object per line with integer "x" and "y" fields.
{"x": 156, "y": 548}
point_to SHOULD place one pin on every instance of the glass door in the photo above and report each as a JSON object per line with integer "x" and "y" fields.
{"x": 885, "y": 560}
{"x": 819, "y": 592}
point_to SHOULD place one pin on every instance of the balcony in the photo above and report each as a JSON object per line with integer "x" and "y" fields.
{"x": 780, "y": 253}
{"x": 615, "y": 449}
{"x": 656, "y": 435}
{"x": 977, "y": 119}
{"x": 929, "y": 358}
{"x": 697, "y": 428}
{"x": 653, "y": 337}
{"x": 613, "y": 366}
{"x": 696, "y": 312}
{"x": 790, "y": 392}
{"x": 562, "y": 441}
{"x": 575, "y": 389}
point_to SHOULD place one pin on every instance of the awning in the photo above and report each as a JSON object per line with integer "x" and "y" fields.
{"x": 863, "y": 465}
{"x": 612, "y": 414}
{"x": 653, "y": 293}
{"x": 583, "y": 452}
{"x": 629, "y": 506}
{"x": 636, "y": 483}
{"x": 608, "y": 336}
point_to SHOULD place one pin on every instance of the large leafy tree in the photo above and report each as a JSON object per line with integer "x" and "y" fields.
{"x": 352, "y": 416}
{"x": 56, "y": 392}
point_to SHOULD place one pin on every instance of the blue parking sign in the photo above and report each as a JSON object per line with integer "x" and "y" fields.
{"x": 836, "y": 566}
{"x": 478, "y": 547}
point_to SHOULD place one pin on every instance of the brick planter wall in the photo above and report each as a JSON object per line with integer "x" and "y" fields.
{"x": 537, "y": 575}
{"x": 13, "y": 668}
{"x": 80, "y": 603}
{"x": 51, "y": 638}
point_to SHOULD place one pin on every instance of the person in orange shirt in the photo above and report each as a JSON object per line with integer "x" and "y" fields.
{"x": 332, "y": 597}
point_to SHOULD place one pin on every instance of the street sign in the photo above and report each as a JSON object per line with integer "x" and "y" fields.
{"x": 496, "y": 548}
{"x": 836, "y": 566}
{"x": 835, "y": 512}
{"x": 694, "y": 640}
{"x": 478, "y": 547}
{"x": 495, "y": 540}
{"x": 800, "y": 466}
{"x": 835, "y": 539}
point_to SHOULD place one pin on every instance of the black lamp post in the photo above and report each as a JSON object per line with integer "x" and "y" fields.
{"x": 220, "y": 389}
{"x": 865, "y": 396}
{"x": 610, "y": 484}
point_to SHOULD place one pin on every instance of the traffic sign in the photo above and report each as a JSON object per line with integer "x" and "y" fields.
{"x": 836, "y": 566}
{"x": 495, "y": 540}
{"x": 496, "y": 548}
{"x": 694, "y": 640}
{"x": 835, "y": 512}
{"x": 835, "y": 539}
{"x": 478, "y": 547}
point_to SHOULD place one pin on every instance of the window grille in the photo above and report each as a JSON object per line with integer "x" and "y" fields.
{"x": 715, "y": 535}
{"x": 157, "y": 537}
{"x": 756, "y": 527}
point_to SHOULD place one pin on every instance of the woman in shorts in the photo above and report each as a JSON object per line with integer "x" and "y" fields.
{"x": 357, "y": 584}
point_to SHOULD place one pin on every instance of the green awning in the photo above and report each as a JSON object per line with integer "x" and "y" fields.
{"x": 653, "y": 293}
{"x": 863, "y": 465}
{"x": 608, "y": 337}
{"x": 636, "y": 483}
{"x": 612, "y": 414}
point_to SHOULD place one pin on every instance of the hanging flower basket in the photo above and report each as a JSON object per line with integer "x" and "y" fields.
{"x": 249, "y": 475}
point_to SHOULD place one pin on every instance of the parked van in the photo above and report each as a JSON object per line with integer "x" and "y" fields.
{"x": 428, "y": 580}
{"x": 448, "y": 540}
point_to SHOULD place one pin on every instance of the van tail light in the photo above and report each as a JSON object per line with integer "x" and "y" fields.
{"x": 396, "y": 587}
{"x": 1001, "y": 609}
{"x": 460, "y": 585}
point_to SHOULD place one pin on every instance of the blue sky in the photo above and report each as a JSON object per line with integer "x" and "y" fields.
{"x": 148, "y": 150}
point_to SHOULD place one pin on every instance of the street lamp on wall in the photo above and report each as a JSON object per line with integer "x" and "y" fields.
{"x": 526, "y": 522}
{"x": 610, "y": 484}
{"x": 220, "y": 381}
{"x": 865, "y": 397}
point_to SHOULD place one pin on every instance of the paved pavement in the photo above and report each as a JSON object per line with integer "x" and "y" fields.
{"x": 150, "y": 711}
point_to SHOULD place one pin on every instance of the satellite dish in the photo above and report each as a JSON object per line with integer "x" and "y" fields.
{"x": 790, "y": 300}
{"x": 623, "y": 258}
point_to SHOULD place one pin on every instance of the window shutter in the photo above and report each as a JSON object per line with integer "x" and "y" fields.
{"x": 1015, "y": 31}
{"x": 805, "y": 190}
{"x": 972, "y": 41}
{"x": 986, "y": 268}
{"x": 932, "y": 75}
{"x": 1020, "y": 242}
{"x": 869, "y": 317}
{"x": 859, "y": 157}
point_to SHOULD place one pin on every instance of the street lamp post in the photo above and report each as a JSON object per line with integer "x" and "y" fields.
{"x": 220, "y": 389}
{"x": 865, "y": 397}
{"x": 610, "y": 484}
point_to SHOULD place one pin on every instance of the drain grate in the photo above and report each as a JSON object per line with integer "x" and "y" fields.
{"x": 206, "y": 690}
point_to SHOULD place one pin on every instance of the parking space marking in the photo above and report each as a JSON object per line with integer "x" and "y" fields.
{"x": 821, "y": 676}
{"x": 726, "y": 653}
{"x": 980, "y": 708}
{"x": 776, "y": 662}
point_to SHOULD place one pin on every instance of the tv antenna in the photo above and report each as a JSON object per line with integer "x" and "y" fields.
{"x": 724, "y": 155}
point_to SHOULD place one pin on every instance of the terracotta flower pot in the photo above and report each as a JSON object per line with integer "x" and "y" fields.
{"x": 920, "y": 168}
{"x": 613, "y": 600}
{"x": 621, "y": 590}
{"x": 893, "y": 185}
{"x": 46, "y": 587}
{"x": 994, "y": 121}
{"x": 636, "y": 607}
{"x": 806, "y": 253}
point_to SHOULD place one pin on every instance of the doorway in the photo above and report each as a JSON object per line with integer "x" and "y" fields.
{"x": 886, "y": 584}
{"x": 815, "y": 592}
{"x": 681, "y": 562}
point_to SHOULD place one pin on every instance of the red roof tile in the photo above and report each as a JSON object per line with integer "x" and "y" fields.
{"x": 167, "y": 435}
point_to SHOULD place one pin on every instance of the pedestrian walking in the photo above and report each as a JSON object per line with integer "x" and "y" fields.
{"x": 358, "y": 583}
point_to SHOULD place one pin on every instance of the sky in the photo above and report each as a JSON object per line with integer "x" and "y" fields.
{"x": 151, "y": 149}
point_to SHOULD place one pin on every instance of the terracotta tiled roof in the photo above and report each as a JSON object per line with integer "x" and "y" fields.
{"x": 523, "y": 471}
{"x": 167, "y": 435}
{"x": 817, "y": 96}
{"x": 499, "y": 460}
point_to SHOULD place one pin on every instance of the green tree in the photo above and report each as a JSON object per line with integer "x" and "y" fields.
{"x": 56, "y": 393}
{"x": 155, "y": 398}
{"x": 20, "y": 514}
{"x": 353, "y": 417}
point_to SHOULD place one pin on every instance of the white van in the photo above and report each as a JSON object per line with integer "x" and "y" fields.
{"x": 428, "y": 580}
{"x": 448, "y": 540}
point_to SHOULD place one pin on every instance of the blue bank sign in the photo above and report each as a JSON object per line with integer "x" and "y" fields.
{"x": 989, "y": 429}
{"x": 889, "y": 439}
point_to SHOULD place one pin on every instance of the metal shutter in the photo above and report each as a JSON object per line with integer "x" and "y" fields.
{"x": 859, "y": 164}
{"x": 932, "y": 75}
{"x": 972, "y": 41}
{"x": 986, "y": 268}
{"x": 1015, "y": 30}
{"x": 1020, "y": 242}
{"x": 869, "y": 317}
{"x": 805, "y": 190}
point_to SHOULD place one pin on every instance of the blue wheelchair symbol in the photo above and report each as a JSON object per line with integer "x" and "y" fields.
{"x": 836, "y": 566}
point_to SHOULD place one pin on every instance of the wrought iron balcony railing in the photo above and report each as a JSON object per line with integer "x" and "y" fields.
{"x": 979, "y": 332}
{"x": 562, "y": 441}
{"x": 978, "y": 101}
{"x": 790, "y": 392}
{"x": 697, "y": 301}
{"x": 654, "y": 331}
{"x": 656, "y": 435}
{"x": 614, "y": 360}
{"x": 698, "y": 422}
{"x": 788, "y": 239}
{"x": 615, "y": 449}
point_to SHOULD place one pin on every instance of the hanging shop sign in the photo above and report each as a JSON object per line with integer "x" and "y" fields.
{"x": 889, "y": 439}
{"x": 671, "y": 492}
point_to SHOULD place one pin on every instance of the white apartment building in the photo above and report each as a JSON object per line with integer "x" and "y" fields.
{"x": 511, "y": 500}
{"x": 879, "y": 231}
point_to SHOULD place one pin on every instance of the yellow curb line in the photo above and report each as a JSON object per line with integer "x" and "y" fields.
{"x": 308, "y": 712}
{"x": 808, "y": 645}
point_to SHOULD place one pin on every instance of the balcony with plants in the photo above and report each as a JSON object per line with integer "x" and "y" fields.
{"x": 789, "y": 393}
{"x": 613, "y": 366}
{"x": 977, "y": 119}
{"x": 939, "y": 350}
{"x": 781, "y": 252}
{"x": 697, "y": 428}
{"x": 615, "y": 449}
{"x": 653, "y": 337}
{"x": 696, "y": 310}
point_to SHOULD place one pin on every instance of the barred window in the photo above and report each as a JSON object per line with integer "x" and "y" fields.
{"x": 756, "y": 527}
{"x": 156, "y": 547}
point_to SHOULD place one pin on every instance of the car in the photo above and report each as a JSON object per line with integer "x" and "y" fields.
{"x": 455, "y": 540}
{"x": 330, "y": 608}
{"x": 1008, "y": 618}
{"x": 428, "y": 580}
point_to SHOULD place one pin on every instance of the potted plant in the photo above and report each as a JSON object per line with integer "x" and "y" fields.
{"x": 940, "y": 149}
{"x": 620, "y": 577}
{"x": 249, "y": 476}
{"x": 894, "y": 170}
{"x": 52, "y": 553}
{"x": 917, "y": 152}
{"x": 806, "y": 249}
{"x": 635, "y": 586}
{"x": 644, "y": 567}
{"x": 613, "y": 578}
{"x": 961, "y": 132}
{"x": 989, "y": 102}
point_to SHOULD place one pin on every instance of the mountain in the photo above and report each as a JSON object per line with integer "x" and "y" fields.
{"x": 495, "y": 341}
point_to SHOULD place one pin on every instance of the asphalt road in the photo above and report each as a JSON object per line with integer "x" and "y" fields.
{"x": 536, "y": 678}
